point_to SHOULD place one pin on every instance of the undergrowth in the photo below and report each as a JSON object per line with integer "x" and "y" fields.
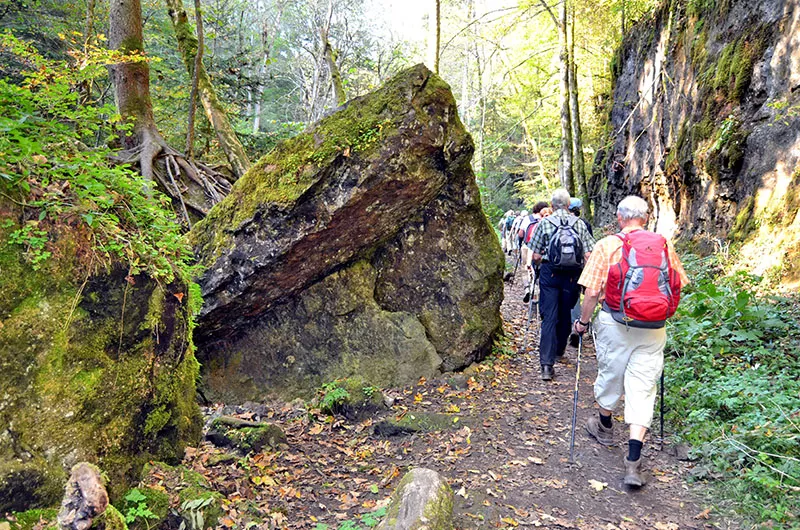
{"x": 733, "y": 390}
{"x": 57, "y": 172}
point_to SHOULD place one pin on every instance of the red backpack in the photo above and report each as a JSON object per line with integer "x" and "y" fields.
{"x": 643, "y": 290}
{"x": 531, "y": 228}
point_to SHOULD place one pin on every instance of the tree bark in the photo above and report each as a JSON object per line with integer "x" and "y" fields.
{"x": 198, "y": 61}
{"x": 187, "y": 45}
{"x": 132, "y": 82}
{"x": 438, "y": 36}
{"x": 336, "y": 75}
{"x": 567, "y": 180}
{"x": 579, "y": 169}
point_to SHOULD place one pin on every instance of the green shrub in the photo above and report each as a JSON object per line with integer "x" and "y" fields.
{"x": 733, "y": 388}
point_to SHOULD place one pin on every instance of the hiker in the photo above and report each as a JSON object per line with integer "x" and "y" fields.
{"x": 630, "y": 337}
{"x": 505, "y": 225}
{"x": 561, "y": 244}
{"x": 516, "y": 240}
{"x": 527, "y": 255}
{"x": 575, "y": 205}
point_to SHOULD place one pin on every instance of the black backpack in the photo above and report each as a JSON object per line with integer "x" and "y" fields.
{"x": 565, "y": 250}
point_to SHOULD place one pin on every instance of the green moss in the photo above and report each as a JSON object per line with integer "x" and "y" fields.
{"x": 155, "y": 500}
{"x": 43, "y": 518}
{"x": 287, "y": 172}
{"x": 745, "y": 221}
{"x": 114, "y": 394}
{"x": 439, "y": 511}
{"x": 111, "y": 519}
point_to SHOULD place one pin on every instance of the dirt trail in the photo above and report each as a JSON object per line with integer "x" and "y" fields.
{"x": 505, "y": 456}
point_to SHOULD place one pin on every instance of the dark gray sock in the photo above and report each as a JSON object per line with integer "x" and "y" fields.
{"x": 605, "y": 421}
{"x": 634, "y": 450}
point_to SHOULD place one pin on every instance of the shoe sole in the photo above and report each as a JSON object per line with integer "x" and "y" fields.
{"x": 630, "y": 481}
{"x": 601, "y": 442}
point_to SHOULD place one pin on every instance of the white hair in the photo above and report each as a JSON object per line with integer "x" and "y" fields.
{"x": 560, "y": 198}
{"x": 633, "y": 207}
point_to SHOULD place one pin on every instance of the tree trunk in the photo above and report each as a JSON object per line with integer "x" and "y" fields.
{"x": 336, "y": 75}
{"x": 579, "y": 169}
{"x": 567, "y": 179}
{"x": 187, "y": 45}
{"x": 198, "y": 61}
{"x": 438, "y": 36}
{"x": 202, "y": 187}
{"x": 132, "y": 82}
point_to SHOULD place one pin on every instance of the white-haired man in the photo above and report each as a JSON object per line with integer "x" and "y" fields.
{"x": 630, "y": 345}
{"x": 556, "y": 238}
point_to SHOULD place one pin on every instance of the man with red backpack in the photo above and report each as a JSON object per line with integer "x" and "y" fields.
{"x": 638, "y": 278}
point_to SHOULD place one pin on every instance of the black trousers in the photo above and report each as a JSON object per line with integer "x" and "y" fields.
{"x": 558, "y": 291}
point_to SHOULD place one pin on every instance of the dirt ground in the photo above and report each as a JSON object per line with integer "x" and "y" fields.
{"x": 506, "y": 456}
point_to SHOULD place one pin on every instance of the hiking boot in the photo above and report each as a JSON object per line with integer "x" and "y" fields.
{"x": 527, "y": 297}
{"x": 547, "y": 372}
{"x": 633, "y": 473}
{"x": 604, "y": 435}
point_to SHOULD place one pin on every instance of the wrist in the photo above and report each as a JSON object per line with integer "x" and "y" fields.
{"x": 584, "y": 324}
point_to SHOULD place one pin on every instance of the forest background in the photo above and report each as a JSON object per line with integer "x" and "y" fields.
{"x": 269, "y": 62}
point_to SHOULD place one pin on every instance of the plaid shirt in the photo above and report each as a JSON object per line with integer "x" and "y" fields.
{"x": 540, "y": 240}
{"x": 607, "y": 252}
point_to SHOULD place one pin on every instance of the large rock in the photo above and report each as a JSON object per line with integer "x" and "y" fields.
{"x": 94, "y": 368}
{"x": 705, "y": 127}
{"x": 422, "y": 501}
{"x": 356, "y": 248}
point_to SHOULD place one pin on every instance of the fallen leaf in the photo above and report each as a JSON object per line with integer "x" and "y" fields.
{"x": 510, "y": 521}
{"x": 462, "y": 492}
{"x": 704, "y": 514}
{"x": 316, "y": 429}
{"x": 179, "y": 296}
{"x": 666, "y": 526}
{"x": 597, "y": 485}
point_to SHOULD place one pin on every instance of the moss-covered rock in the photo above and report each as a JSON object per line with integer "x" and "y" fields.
{"x": 422, "y": 501}
{"x": 357, "y": 248}
{"x": 96, "y": 365}
{"x": 419, "y": 422}
{"x": 353, "y": 397}
{"x": 246, "y": 436}
{"x": 111, "y": 519}
{"x": 146, "y": 507}
{"x": 27, "y": 520}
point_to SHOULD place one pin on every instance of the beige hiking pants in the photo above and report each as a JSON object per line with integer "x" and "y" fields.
{"x": 629, "y": 362}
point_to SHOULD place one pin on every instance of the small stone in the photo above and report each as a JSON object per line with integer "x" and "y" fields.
{"x": 388, "y": 401}
{"x": 423, "y": 499}
{"x": 458, "y": 382}
{"x": 85, "y": 498}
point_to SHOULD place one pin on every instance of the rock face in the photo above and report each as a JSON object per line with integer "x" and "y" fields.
{"x": 356, "y": 248}
{"x": 93, "y": 368}
{"x": 422, "y": 500}
{"x": 706, "y": 126}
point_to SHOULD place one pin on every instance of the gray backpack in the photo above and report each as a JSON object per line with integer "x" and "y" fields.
{"x": 565, "y": 250}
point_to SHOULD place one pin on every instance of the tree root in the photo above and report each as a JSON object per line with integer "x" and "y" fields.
{"x": 194, "y": 186}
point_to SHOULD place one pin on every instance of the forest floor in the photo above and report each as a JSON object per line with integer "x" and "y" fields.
{"x": 506, "y": 456}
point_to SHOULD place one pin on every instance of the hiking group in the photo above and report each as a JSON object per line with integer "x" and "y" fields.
{"x": 634, "y": 276}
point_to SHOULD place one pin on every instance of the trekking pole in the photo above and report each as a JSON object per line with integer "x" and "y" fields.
{"x": 528, "y": 323}
{"x": 575, "y": 403}
{"x": 662, "y": 410}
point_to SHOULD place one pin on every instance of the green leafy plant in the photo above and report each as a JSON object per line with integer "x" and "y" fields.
{"x": 192, "y": 512}
{"x": 54, "y": 163}
{"x": 137, "y": 508}
{"x": 333, "y": 396}
{"x": 733, "y": 381}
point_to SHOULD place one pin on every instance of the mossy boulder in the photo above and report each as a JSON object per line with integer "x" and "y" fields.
{"x": 246, "y": 436}
{"x": 97, "y": 366}
{"x": 111, "y": 519}
{"x": 422, "y": 501}
{"x": 357, "y": 248}
{"x": 352, "y": 397}
{"x": 414, "y": 422}
{"x": 147, "y": 506}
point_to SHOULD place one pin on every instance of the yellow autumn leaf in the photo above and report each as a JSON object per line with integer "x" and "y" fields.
{"x": 510, "y": 521}
{"x": 597, "y": 485}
